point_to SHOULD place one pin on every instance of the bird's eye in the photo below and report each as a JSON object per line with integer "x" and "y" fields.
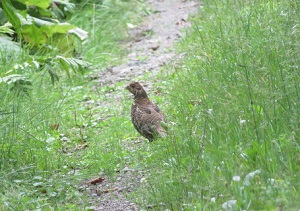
{"x": 132, "y": 86}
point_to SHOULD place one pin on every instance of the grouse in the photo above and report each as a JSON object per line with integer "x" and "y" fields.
{"x": 145, "y": 115}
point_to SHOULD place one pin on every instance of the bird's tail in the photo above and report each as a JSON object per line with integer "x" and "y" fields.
{"x": 161, "y": 132}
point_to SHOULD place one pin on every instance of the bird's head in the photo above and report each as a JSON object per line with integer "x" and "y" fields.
{"x": 137, "y": 90}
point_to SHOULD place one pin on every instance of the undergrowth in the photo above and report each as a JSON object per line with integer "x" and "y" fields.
{"x": 232, "y": 104}
{"x": 234, "y": 99}
{"x": 51, "y": 135}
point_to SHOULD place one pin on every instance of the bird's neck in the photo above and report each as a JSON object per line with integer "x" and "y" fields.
{"x": 143, "y": 98}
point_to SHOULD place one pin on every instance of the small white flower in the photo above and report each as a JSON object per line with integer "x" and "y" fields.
{"x": 209, "y": 111}
{"x": 243, "y": 122}
{"x": 213, "y": 199}
{"x": 243, "y": 155}
{"x": 130, "y": 25}
{"x": 76, "y": 88}
{"x": 16, "y": 66}
{"x": 38, "y": 177}
{"x": 26, "y": 64}
{"x": 236, "y": 178}
{"x": 229, "y": 205}
{"x": 271, "y": 181}
{"x": 249, "y": 177}
{"x": 49, "y": 140}
{"x": 190, "y": 194}
{"x": 36, "y": 64}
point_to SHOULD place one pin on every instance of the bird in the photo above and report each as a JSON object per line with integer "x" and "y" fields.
{"x": 145, "y": 115}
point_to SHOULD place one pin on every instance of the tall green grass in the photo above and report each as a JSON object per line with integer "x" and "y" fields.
{"x": 235, "y": 101}
{"x": 42, "y": 167}
{"x": 107, "y": 23}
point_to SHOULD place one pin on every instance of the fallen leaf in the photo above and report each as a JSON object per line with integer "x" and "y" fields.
{"x": 96, "y": 180}
{"x": 81, "y": 147}
{"x": 54, "y": 126}
{"x": 43, "y": 191}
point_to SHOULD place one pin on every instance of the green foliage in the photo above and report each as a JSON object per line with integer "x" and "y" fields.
{"x": 11, "y": 14}
{"x": 44, "y": 121}
{"x": 232, "y": 103}
{"x": 235, "y": 99}
{"x": 38, "y": 26}
{"x": 38, "y": 29}
{"x": 103, "y": 45}
{"x": 60, "y": 62}
{"x": 40, "y": 162}
{"x": 18, "y": 78}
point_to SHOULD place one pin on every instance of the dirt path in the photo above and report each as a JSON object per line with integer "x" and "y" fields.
{"x": 152, "y": 43}
{"x": 150, "y": 48}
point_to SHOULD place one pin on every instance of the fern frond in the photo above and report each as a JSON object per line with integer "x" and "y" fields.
{"x": 20, "y": 83}
{"x": 72, "y": 63}
{"x": 75, "y": 63}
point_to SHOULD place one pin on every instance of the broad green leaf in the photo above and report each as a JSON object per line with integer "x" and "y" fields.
{"x": 45, "y": 12}
{"x": 39, "y": 3}
{"x": 3, "y": 19}
{"x": 61, "y": 28}
{"x": 36, "y": 36}
{"x": 33, "y": 35}
{"x": 11, "y": 14}
{"x": 65, "y": 43}
{"x": 39, "y": 22}
{"x": 81, "y": 34}
{"x": 67, "y": 5}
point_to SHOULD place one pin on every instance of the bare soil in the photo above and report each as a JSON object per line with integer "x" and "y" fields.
{"x": 151, "y": 47}
{"x": 152, "y": 42}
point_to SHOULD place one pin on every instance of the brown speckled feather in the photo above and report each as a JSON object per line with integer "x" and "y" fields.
{"x": 145, "y": 115}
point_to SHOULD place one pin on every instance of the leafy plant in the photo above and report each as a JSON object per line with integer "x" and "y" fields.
{"x": 38, "y": 27}
{"x": 52, "y": 65}
{"x": 41, "y": 159}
